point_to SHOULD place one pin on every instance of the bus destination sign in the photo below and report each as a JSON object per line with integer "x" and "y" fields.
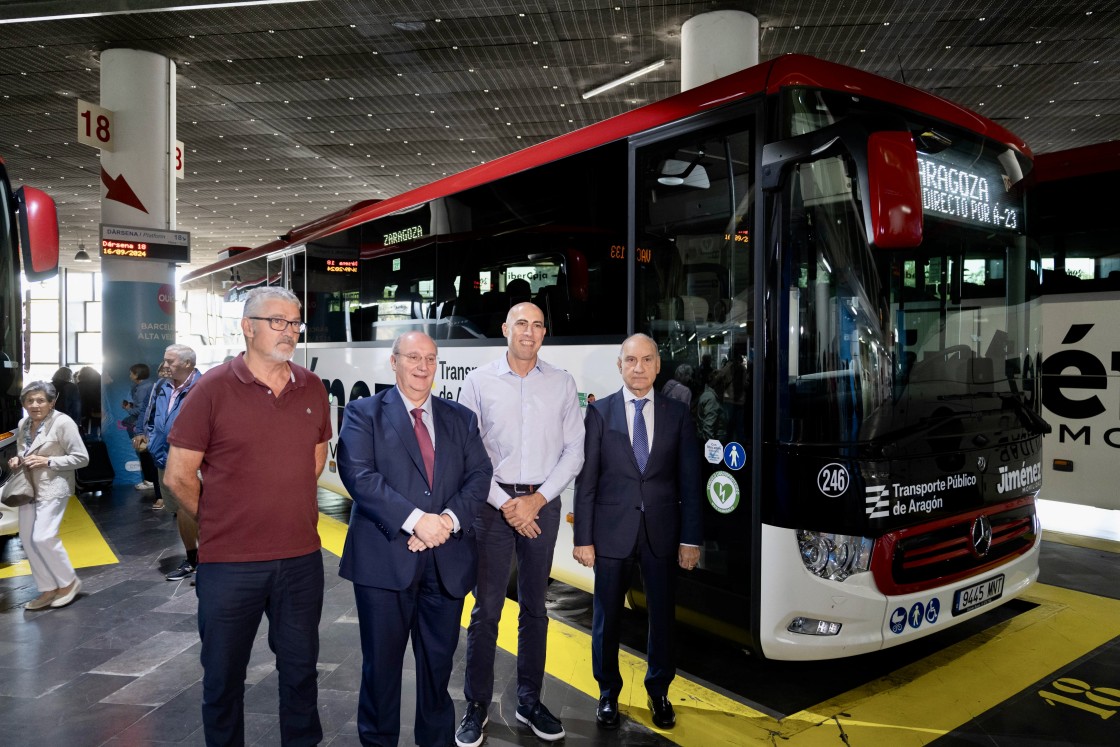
{"x": 975, "y": 192}
{"x": 132, "y": 242}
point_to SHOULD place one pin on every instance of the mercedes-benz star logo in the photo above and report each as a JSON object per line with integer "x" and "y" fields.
{"x": 981, "y": 536}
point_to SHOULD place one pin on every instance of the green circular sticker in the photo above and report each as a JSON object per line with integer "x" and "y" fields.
{"x": 723, "y": 492}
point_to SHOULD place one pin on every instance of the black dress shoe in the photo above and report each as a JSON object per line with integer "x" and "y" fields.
{"x": 606, "y": 714}
{"x": 662, "y": 710}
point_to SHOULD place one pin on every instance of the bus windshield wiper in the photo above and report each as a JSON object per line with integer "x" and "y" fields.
{"x": 1030, "y": 419}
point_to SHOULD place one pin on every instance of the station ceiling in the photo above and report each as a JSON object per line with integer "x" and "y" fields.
{"x": 290, "y": 110}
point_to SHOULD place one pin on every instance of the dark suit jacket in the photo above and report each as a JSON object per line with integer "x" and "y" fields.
{"x": 610, "y": 490}
{"x": 380, "y": 464}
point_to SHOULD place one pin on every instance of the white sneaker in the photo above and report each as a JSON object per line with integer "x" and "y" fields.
{"x": 145, "y": 485}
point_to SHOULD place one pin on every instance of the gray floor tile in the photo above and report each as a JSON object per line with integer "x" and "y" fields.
{"x": 148, "y": 655}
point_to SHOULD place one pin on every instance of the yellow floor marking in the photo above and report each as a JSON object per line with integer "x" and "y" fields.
{"x": 914, "y": 705}
{"x": 332, "y": 533}
{"x": 1077, "y": 540}
{"x": 81, "y": 538}
{"x": 920, "y": 702}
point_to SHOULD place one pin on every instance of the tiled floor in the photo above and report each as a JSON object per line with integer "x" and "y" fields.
{"x": 120, "y": 665}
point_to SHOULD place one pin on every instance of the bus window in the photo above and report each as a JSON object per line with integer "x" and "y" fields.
{"x": 397, "y": 286}
{"x": 693, "y": 265}
{"x": 330, "y": 272}
{"x": 552, "y": 236}
{"x": 838, "y": 372}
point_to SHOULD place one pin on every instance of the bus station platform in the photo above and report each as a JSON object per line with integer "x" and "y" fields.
{"x": 120, "y": 665}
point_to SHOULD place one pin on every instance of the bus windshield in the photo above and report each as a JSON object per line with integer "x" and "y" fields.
{"x": 914, "y": 351}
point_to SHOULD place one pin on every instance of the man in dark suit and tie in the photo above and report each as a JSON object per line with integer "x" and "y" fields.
{"x": 637, "y": 503}
{"x": 418, "y": 472}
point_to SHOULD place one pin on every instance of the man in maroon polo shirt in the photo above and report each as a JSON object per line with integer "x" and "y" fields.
{"x": 257, "y": 427}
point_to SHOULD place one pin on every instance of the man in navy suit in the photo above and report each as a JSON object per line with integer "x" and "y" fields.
{"x": 637, "y": 503}
{"x": 418, "y": 472}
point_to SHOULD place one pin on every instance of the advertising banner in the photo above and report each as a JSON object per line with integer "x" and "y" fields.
{"x": 138, "y": 325}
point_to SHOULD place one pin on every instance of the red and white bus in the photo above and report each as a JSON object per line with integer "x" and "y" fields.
{"x": 28, "y": 232}
{"x": 1070, "y": 211}
{"x": 854, "y": 250}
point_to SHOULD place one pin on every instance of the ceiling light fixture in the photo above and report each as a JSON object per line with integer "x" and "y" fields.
{"x": 82, "y": 255}
{"x": 624, "y": 79}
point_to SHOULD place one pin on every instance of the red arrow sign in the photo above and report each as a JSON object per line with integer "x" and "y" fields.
{"x": 118, "y": 189}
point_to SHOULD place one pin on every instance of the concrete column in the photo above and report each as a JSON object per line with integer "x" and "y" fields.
{"x": 717, "y": 44}
{"x": 138, "y": 189}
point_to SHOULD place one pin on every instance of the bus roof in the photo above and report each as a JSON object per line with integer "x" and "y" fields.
{"x": 769, "y": 77}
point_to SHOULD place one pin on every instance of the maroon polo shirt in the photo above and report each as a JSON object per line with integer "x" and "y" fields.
{"x": 258, "y": 499}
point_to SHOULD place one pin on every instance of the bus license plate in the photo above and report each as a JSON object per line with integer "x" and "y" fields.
{"x": 977, "y": 595}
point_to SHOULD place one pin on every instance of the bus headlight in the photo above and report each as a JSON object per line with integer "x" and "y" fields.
{"x": 834, "y": 556}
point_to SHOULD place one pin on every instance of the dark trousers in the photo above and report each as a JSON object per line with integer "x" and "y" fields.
{"x": 497, "y": 543}
{"x": 149, "y": 471}
{"x": 386, "y": 620}
{"x": 231, "y": 599}
{"x": 612, "y": 579}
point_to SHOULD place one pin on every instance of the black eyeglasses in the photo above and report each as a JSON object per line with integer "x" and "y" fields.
{"x": 279, "y": 324}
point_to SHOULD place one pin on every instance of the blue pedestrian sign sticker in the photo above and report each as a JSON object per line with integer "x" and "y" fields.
{"x": 734, "y": 456}
{"x": 917, "y": 614}
{"x": 723, "y": 492}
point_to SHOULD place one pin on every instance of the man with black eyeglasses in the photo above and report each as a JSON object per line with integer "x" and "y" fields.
{"x": 257, "y": 427}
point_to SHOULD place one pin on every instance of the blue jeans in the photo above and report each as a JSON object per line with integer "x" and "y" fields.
{"x": 231, "y": 599}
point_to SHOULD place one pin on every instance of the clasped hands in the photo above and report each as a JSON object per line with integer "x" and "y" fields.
{"x": 432, "y": 530}
{"x": 521, "y": 513}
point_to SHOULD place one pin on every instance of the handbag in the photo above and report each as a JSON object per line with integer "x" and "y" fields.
{"x": 18, "y": 490}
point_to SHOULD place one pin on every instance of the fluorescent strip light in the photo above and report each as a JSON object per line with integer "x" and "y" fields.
{"x": 624, "y": 79}
{"x": 189, "y": 5}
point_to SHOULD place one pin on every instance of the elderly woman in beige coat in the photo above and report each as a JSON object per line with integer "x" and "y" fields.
{"x": 51, "y": 450}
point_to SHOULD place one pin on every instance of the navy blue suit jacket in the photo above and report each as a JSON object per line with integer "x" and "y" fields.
{"x": 610, "y": 490}
{"x": 380, "y": 465}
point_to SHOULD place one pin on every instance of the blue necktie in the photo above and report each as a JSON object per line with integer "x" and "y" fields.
{"x": 641, "y": 440}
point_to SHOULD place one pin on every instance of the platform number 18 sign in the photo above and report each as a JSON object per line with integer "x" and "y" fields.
{"x": 833, "y": 480}
{"x": 95, "y": 126}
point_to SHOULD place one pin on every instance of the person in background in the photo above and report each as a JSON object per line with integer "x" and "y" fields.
{"x": 679, "y": 387}
{"x": 638, "y": 504}
{"x": 257, "y": 428}
{"x": 170, "y": 394}
{"x": 529, "y": 415}
{"x": 148, "y": 468}
{"x": 51, "y": 450}
{"x": 136, "y": 406}
{"x": 418, "y": 472}
{"x": 69, "y": 400}
{"x": 89, "y": 389}
{"x": 711, "y": 422}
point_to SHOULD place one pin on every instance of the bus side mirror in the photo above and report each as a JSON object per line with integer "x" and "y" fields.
{"x": 38, "y": 233}
{"x": 894, "y": 190}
